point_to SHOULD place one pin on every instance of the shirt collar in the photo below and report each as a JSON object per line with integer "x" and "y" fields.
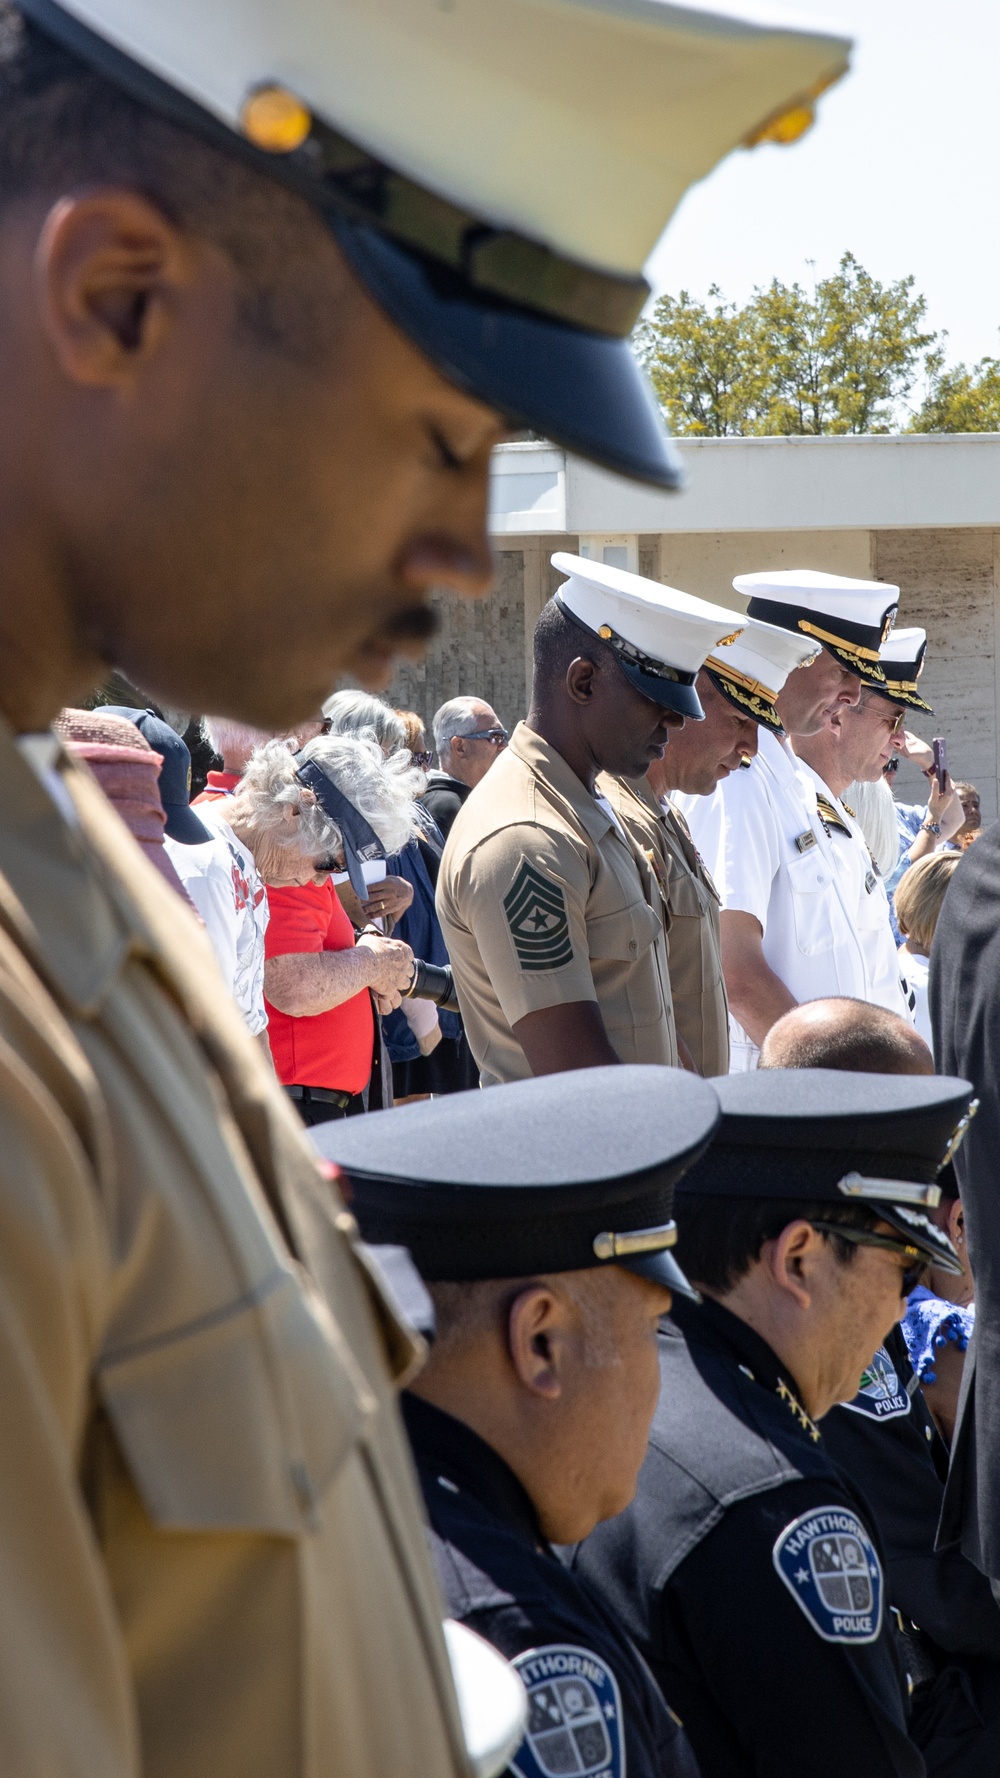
{"x": 547, "y": 763}
{"x": 447, "y": 1447}
{"x": 759, "y": 1363}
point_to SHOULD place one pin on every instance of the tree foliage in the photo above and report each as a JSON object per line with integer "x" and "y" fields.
{"x": 840, "y": 359}
{"x": 959, "y": 399}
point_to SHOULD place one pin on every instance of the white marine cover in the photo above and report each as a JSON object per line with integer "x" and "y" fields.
{"x": 579, "y": 123}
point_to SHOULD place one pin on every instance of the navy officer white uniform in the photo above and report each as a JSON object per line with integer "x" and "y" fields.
{"x": 855, "y": 748}
{"x": 553, "y": 918}
{"x": 748, "y": 1567}
{"x": 789, "y": 923}
{"x": 545, "y": 1242}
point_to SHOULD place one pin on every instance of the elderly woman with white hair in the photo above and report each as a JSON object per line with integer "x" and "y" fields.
{"x": 274, "y": 834}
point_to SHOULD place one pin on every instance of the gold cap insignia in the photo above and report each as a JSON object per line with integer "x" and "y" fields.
{"x": 275, "y": 120}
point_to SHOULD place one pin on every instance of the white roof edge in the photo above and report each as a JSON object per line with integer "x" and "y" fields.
{"x": 871, "y": 481}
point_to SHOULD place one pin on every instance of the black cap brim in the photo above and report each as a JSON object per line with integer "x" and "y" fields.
{"x": 662, "y": 1268}
{"x": 668, "y": 693}
{"x": 747, "y": 703}
{"x": 918, "y": 1231}
{"x": 583, "y": 390}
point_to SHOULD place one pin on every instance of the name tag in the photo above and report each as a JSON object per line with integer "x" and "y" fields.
{"x": 870, "y": 882}
{"x": 803, "y": 841}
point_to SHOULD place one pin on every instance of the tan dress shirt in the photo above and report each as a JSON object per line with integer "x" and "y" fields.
{"x": 211, "y": 1555}
{"x": 544, "y": 902}
{"x": 691, "y": 918}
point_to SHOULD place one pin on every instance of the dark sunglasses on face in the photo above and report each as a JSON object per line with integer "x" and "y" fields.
{"x": 913, "y": 1274}
{"x": 422, "y": 759}
{"x": 497, "y": 737}
{"x": 891, "y": 765}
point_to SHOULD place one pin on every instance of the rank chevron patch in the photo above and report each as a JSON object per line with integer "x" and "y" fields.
{"x": 539, "y": 925}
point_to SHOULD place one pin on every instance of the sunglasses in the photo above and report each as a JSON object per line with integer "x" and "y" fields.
{"x": 422, "y": 759}
{"x": 913, "y": 1274}
{"x": 497, "y": 737}
{"x": 891, "y": 765}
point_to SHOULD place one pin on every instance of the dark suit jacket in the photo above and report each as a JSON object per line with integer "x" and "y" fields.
{"x": 965, "y": 1011}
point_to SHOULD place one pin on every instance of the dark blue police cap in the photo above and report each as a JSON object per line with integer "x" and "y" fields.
{"x": 827, "y": 1135}
{"x": 560, "y": 1174}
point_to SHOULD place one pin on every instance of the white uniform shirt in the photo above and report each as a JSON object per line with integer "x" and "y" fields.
{"x": 865, "y": 886}
{"x": 770, "y": 857}
{"x": 226, "y": 888}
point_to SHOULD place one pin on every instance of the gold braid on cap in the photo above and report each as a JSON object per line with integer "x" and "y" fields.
{"x": 839, "y": 642}
{"x": 901, "y": 685}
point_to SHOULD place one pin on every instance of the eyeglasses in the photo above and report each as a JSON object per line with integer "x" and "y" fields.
{"x": 422, "y": 759}
{"x": 497, "y": 737}
{"x": 913, "y": 1274}
{"x": 326, "y": 726}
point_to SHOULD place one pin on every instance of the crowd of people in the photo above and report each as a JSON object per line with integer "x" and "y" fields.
{"x": 626, "y": 1405}
{"x": 688, "y": 853}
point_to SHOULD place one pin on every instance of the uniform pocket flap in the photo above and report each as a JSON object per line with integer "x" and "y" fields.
{"x": 808, "y": 875}
{"x": 625, "y": 934}
{"x": 240, "y": 1420}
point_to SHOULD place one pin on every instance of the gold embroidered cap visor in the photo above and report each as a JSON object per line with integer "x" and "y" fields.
{"x": 534, "y": 319}
{"x": 747, "y": 695}
{"x": 902, "y": 660}
{"x": 855, "y": 645}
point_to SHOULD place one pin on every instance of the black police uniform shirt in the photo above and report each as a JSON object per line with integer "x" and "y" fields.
{"x": 593, "y": 1707}
{"x": 749, "y": 1574}
{"x": 887, "y": 1443}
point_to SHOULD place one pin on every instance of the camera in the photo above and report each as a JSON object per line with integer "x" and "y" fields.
{"x": 433, "y": 981}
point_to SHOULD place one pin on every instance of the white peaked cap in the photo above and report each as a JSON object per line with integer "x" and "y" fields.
{"x": 579, "y": 123}
{"x": 905, "y": 646}
{"x": 752, "y": 669}
{"x": 902, "y": 661}
{"x": 851, "y": 618}
{"x": 496, "y": 172}
{"x": 660, "y": 635}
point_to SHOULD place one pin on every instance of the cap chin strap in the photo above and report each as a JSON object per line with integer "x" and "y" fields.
{"x": 621, "y": 1246}
{"x": 889, "y": 1191}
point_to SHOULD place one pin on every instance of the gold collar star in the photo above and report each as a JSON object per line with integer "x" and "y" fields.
{"x": 798, "y": 1411}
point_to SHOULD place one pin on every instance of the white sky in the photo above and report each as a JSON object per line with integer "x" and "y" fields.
{"x": 902, "y": 167}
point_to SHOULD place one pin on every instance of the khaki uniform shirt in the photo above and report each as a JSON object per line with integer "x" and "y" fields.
{"x": 544, "y": 902}
{"x": 212, "y": 1561}
{"x": 690, "y": 907}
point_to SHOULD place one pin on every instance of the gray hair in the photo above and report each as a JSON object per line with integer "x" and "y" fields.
{"x": 456, "y": 717}
{"x": 233, "y": 740}
{"x": 382, "y": 790}
{"x": 357, "y": 713}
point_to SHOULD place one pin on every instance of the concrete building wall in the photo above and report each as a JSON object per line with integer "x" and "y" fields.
{"x": 949, "y": 583}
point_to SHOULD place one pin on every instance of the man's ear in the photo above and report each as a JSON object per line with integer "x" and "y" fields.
{"x": 538, "y": 1338}
{"x": 110, "y": 271}
{"x": 580, "y": 677}
{"x": 790, "y": 1259}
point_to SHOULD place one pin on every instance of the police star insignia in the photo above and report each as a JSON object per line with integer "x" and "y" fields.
{"x": 798, "y": 1412}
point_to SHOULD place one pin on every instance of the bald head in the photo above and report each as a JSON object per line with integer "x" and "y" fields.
{"x": 848, "y": 1034}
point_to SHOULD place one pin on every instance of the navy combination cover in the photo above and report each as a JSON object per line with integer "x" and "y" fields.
{"x": 750, "y": 1572}
{"x": 594, "y": 1710}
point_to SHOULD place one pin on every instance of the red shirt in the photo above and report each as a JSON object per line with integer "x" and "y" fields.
{"x": 217, "y": 784}
{"x": 326, "y": 1049}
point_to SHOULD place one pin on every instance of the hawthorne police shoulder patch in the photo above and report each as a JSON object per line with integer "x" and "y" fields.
{"x": 575, "y": 1725}
{"x": 539, "y": 924}
{"x": 881, "y": 1395}
{"x": 828, "y": 1563}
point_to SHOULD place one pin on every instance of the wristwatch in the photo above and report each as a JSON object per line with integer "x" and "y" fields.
{"x": 930, "y": 827}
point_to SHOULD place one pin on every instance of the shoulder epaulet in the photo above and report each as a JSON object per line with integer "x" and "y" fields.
{"x": 831, "y": 818}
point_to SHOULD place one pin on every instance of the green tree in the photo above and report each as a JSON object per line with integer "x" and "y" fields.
{"x": 841, "y": 359}
{"x": 959, "y": 399}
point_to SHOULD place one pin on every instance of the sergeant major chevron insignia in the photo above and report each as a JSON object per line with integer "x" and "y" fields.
{"x": 539, "y": 925}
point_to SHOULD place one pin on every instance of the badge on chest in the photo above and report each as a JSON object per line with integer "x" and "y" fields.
{"x": 574, "y": 1715}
